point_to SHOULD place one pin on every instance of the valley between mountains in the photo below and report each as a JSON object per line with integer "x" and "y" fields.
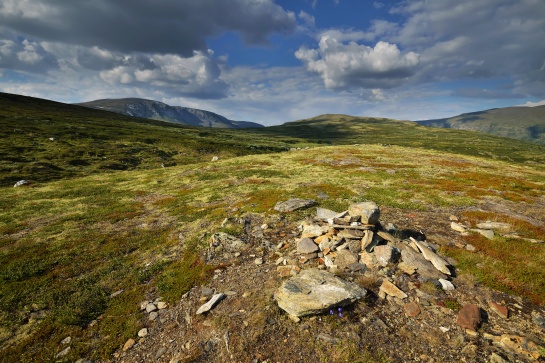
{"x": 109, "y": 259}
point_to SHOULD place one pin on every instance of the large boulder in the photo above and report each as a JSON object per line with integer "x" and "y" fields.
{"x": 314, "y": 291}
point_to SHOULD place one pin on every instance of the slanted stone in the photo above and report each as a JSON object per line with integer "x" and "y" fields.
{"x": 415, "y": 260}
{"x": 392, "y": 290}
{"x": 314, "y": 291}
{"x": 306, "y": 245}
{"x": 21, "y": 183}
{"x": 368, "y": 259}
{"x": 367, "y": 239}
{"x": 387, "y": 236}
{"x": 411, "y": 309}
{"x": 210, "y": 304}
{"x": 436, "y": 261}
{"x": 345, "y": 258}
{"x": 497, "y": 226}
{"x": 368, "y": 211}
{"x": 487, "y": 233}
{"x": 351, "y": 234}
{"x": 63, "y": 352}
{"x": 162, "y": 305}
{"x": 386, "y": 254}
{"x": 294, "y": 204}
{"x": 499, "y": 309}
{"x": 458, "y": 227}
{"x": 225, "y": 242}
{"x": 469, "y": 317}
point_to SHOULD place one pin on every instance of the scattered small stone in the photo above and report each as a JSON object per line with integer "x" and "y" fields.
{"x": 210, "y": 304}
{"x": 259, "y": 260}
{"x": 264, "y": 226}
{"x": 128, "y": 344}
{"x": 470, "y": 248}
{"x": 453, "y": 218}
{"x": 143, "y": 332}
{"x": 150, "y": 307}
{"x": 21, "y": 183}
{"x": 499, "y": 309}
{"x": 206, "y": 291}
{"x": 446, "y": 285}
{"x": 162, "y": 305}
{"x": 63, "y": 352}
{"x": 143, "y": 304}
{"x": 443, "y": 329}
{"x": 153, "y": 315}
{"x": 66, "y": 340}
{"x": 458, "y": 227}
{"x": 215, "y": 158}
{"x": 411, "y": 309}
{"x": 538, "y": 319}
{"x": 160, "y": 352}
{"x": 469, "y": 317}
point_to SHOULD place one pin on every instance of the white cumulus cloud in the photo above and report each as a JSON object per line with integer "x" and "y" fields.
{"x": 353, "y": 65}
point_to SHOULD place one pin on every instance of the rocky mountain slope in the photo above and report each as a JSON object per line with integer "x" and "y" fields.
{"x": 523, "y": 123}
{"x": 160, "y": 111}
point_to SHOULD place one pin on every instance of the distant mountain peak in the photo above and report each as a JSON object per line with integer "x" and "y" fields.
{"x": 141, "y": 107}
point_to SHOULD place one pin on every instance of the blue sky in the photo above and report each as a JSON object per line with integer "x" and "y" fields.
{"x": 274, "y": 61}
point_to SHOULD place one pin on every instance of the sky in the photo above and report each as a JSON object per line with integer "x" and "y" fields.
{"x": 274, "y": 61}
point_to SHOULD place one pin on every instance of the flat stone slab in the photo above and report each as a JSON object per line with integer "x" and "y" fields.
{"x": 294, "y": 204}
{"x": 314, "y": 291}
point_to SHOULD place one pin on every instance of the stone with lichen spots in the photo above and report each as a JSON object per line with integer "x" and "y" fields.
{"x": 368, "y": 211}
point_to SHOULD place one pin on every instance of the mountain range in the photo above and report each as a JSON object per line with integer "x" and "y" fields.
{"x": 522, "y": 123}
{"x": 155, "y": 110}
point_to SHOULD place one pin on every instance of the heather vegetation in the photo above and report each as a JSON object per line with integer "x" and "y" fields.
{"x": 119, "y": 209}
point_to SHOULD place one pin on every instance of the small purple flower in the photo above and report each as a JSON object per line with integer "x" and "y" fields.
{"x": 331, "y": 312}
{"x": 340, "y": 312}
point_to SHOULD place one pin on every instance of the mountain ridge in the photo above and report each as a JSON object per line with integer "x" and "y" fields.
{"x": 518, "y": 122}
{"x": 145, "y": 108}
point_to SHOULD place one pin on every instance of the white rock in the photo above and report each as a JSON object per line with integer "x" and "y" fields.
{"x": 258, "y": 261}
{"x": 458, "y": 227}
{"x": 446, "y": 285}
{"x": 150, "y": 307}
{"x": 162, "y": 305}
{"x": 210, "y": 304}
{"x": 143, "y": 332}
{"x": 325, "y": 214}
{"x": 435, "y": 260}
{"x": 215, "y": 158}
{"x": 488, "y": 233}
{"x": 498, "y": 226}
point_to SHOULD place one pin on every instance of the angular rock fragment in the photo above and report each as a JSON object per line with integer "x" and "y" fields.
{"x": 469, "y": 317}
{"x": 499, "y": 309}
{"x": 325, "y": 214}
{"x": 294, "y": 204}
{"x": 415, "y": 260}
{"x": 306, "y": 245}
{"x": 386, "y": 254}
{"x": 411, "y": 309}
{"x": 390, "y": 289}
{"x": 314, "y": 291}
{"x": 210, "y": 304}
{"x": 497, "y": 226}
{"x": 458, "y": 227}
{"x": 488, "y": 233}
{"x": 345, "y": 258}
{"x": 368, "y": 211}
{"x": 446, "y": 285}
{"x": 436, "y": 261}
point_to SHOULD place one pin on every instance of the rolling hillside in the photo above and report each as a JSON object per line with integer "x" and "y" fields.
{"x": 110, "y": 250}
{"x": 522, "y": 123}
{"x": 155, "y": 110}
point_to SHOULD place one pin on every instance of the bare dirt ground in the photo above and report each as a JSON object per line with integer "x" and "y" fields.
{"x": 248, "y": 326}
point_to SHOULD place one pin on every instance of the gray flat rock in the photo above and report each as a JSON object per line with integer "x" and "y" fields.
{"x": 210, "y": 304}
{"x": 314, "y": 292}
{"x": 294, "y": 204}
{"x": 416, "y": 260}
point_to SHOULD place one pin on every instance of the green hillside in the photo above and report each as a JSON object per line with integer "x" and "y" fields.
{"x": 104, "y": 226}
{"x": 522, "y": 123}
